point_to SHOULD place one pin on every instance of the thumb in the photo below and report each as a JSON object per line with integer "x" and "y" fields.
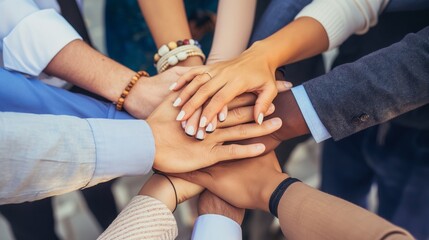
{"x": 283, "y": 86}
{"x": 263, "y": 103}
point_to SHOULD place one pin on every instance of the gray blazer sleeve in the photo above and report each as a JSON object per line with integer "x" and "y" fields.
{"x": 374, "y": 89}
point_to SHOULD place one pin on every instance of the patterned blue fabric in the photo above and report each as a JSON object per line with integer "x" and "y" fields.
{"x": 128, "y": 39}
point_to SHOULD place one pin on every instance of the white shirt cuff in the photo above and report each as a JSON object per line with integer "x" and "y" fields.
{"x": 214, "y": 227}
{"x": 35, "y": 41}
{"x": 317, "y": 129}
{"x": 123, "y": 148}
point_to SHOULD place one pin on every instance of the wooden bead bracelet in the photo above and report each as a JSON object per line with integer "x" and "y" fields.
{"x": 134, "y": 80}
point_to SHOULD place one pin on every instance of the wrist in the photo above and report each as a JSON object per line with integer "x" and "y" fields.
{"x": 160, "y": 188}
{"x": 191, "y": 61}
{"x": 138, "y": 100}
{"x": 269, "y": 188}
{"x": 211, "y": 204}
{"x": 293, "y": 122}
{"x": 262, "y": 49}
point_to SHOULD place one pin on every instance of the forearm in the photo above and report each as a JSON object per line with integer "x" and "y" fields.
{"x": 303, "y": 38}
{"x": 85, "y": 67}
{"x": 167, "y": 22}
{"x": 314, "y": 31}
{"x": 233, "y": 28}
{"x": 304, "y": 211}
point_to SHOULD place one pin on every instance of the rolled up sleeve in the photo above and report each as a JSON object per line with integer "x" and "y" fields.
{"x": 32, "y": 38}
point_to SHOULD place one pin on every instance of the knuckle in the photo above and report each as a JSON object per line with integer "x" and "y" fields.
{"x": 191, "y": 104}
{"x": 232, "y": 151}
{"x": 204, "y": 91}
{"x": 218, "y": 99}
{"x": 238, "y": 113}
{"x": 242, "y": 131}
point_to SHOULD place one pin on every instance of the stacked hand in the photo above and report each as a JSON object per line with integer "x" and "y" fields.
{"x": 220, "y": 83}
{"x": 149, "y": 92}
{"x": 176, "y": 152}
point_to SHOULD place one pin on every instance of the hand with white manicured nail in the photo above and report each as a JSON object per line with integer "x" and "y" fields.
{"x": 225, "y": 81}
{"x": 193, "y": 125}
{"x": 175, "y": 152}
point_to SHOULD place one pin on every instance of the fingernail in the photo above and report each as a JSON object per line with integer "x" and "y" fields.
{"x": 177, "y": 102}
{"x": 288, "y": 84}
{"x": 209, "y": 128}
{"x": 260, "y": 118}
{"x": 276, "y": 122}
{"x": 200, "y": 134}
{"x": 172, "y": 86}
{"x": 222, "y": 117}
{"x": 180, "y": 116}
{"x": 183, "y": 124}
{"x": 271, "y": 108}
{"x": 203, "y": 122}
{"x": 190, "y": 130}
{"x": 259, "y": 147}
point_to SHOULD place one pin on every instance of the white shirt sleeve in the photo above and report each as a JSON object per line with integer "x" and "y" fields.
{"x": 214, "y": 227}
{"x": 342, "y": 18}
{"x": 47, "y": 155}
{"x": 317, "y": 129}
{"x": 31, "y": 37}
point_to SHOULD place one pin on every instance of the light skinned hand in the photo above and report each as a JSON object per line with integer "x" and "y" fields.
{"x": 224, "y": 81}
{"x": 160, "y": 188}
{"x": 191, "y": 126}
{"x": 149, "y": 92}
{"x": 245, "y": 183}
{"x": 176, "y": 152}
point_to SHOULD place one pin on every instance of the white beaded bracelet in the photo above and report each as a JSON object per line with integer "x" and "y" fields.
{"x": 177, "y": 55}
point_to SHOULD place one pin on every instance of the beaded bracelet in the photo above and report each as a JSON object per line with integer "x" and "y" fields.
{"x": 134, "y": 79}
{"x": 164, "y": 49}
{"x": 178, "y": 54}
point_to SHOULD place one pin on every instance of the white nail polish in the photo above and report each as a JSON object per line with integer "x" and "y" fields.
{"x": 172, "y": 86}
{"x": 260, "y": 118}
{"x": 203, "y": 122}
{"x": 259, "y": 147}
{"x": 209, "y": 128}
{"x": 222, "y": 117}
{"x": 177, "y": 102}
{"x": 190, "y": 130}
{"x": 180, "y": 116}
{"x": 288, "y": 84}
{"x": 183, "y": 124}
{"x": 200, "y": 134}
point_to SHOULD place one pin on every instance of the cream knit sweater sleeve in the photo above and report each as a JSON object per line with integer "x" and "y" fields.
{"x": 143, "y": 218}
{"x": 342, "y": 18}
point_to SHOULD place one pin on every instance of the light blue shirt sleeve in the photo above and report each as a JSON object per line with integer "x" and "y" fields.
{"x": 214, "y": 227}
{"x": 47, "y": 155}
{"x": 123, "y": 147}
{"x": 317, "y": 129}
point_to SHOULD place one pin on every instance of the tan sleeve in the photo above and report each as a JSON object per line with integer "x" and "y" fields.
{"x": 306, "y": 213}
{"x": 143, "y": 218}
